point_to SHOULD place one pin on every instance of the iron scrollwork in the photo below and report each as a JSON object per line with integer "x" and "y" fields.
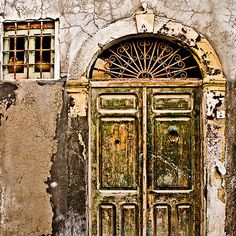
{"x": 148, "y": 58}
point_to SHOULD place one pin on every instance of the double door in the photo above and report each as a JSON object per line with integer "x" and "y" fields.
{"x": 145, "y": 168}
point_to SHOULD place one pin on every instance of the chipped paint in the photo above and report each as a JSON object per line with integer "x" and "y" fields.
{"x": 214, "y": 102}
{"x": 215, "y": 160}
{"x": 220, "y": 167}
{"x": 83, "y": 145}
{"x": 145, "y": 19}
{"x": 78, "y": 104}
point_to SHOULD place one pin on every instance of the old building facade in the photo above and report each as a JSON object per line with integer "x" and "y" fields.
{"x": 117, "y": 118}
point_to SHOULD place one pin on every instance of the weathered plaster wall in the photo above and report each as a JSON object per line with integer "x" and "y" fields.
{"x": 81, "y": 19}
{"x": 43, "y": 140}
{"x": 230, "y": 179}
{"x": 27, "y": 139}
{"x": 68, "y": 175}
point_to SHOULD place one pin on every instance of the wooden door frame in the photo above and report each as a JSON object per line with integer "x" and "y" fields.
{"x": 144, "y": 86}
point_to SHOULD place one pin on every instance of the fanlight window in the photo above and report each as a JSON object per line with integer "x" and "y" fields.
{"x": 146, "y": 58}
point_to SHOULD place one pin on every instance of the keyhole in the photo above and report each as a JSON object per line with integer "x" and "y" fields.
{"x": 117, "y": 141}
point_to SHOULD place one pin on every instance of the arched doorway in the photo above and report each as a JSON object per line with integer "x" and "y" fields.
{"x": 145, "y": 163}
{"x": 211, "y": 87}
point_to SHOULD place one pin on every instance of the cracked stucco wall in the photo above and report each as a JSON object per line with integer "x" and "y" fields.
{"x": 28, "y": 123}
{"x": 36, "y": 133}
{"x": 81, "y": 19}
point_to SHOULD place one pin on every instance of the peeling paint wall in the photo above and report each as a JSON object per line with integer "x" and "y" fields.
{"x": 215, "y": 162}
{"x": 230, "y": 179}
{"x": 43, "y": 129}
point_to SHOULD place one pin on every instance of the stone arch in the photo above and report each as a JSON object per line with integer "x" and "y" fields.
{"x": 197, "y": 43}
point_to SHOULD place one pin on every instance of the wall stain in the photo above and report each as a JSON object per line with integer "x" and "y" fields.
{"x": 68, "y": 182}
{"x": 7, "y": 98}
{"x": 230, "y": 178}
{"x": 58, "y": 182}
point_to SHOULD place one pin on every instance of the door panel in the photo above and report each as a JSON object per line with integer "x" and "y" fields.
{"x": 118, "y": 153}
{"x": 133, "y": 168}
{"x": 185, "y": 219}
{"x": 172, "y": 168}
{"x": 129, "y": 220}
{"x": 162, "y": 216}
{"x": 107, "y": 219}
{"x": 163, "y": 102}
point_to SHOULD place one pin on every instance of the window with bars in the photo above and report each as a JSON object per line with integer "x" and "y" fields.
{"x": 29, "y": 50}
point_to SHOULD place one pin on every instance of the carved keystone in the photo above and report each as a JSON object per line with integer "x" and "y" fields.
{"x": 145, "y": 19}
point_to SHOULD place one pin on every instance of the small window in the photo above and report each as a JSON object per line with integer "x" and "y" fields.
{"x": 29, "y": 50}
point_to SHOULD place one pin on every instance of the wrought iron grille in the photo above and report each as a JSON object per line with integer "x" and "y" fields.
{"x": 28, "y": 49}
{"x": 146, "y": 58}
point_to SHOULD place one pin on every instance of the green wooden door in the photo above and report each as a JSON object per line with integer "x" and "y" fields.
{"x": 174, "y": 193}
{"x": 144, "y": 161}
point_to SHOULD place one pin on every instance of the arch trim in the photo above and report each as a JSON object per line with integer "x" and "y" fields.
{"x": 89, "y": 50}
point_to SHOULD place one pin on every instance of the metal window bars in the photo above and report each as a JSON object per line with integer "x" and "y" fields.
{"x": 28, "y": 50}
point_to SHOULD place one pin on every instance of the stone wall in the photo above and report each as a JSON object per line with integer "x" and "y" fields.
{"x": 43, "y": 138}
